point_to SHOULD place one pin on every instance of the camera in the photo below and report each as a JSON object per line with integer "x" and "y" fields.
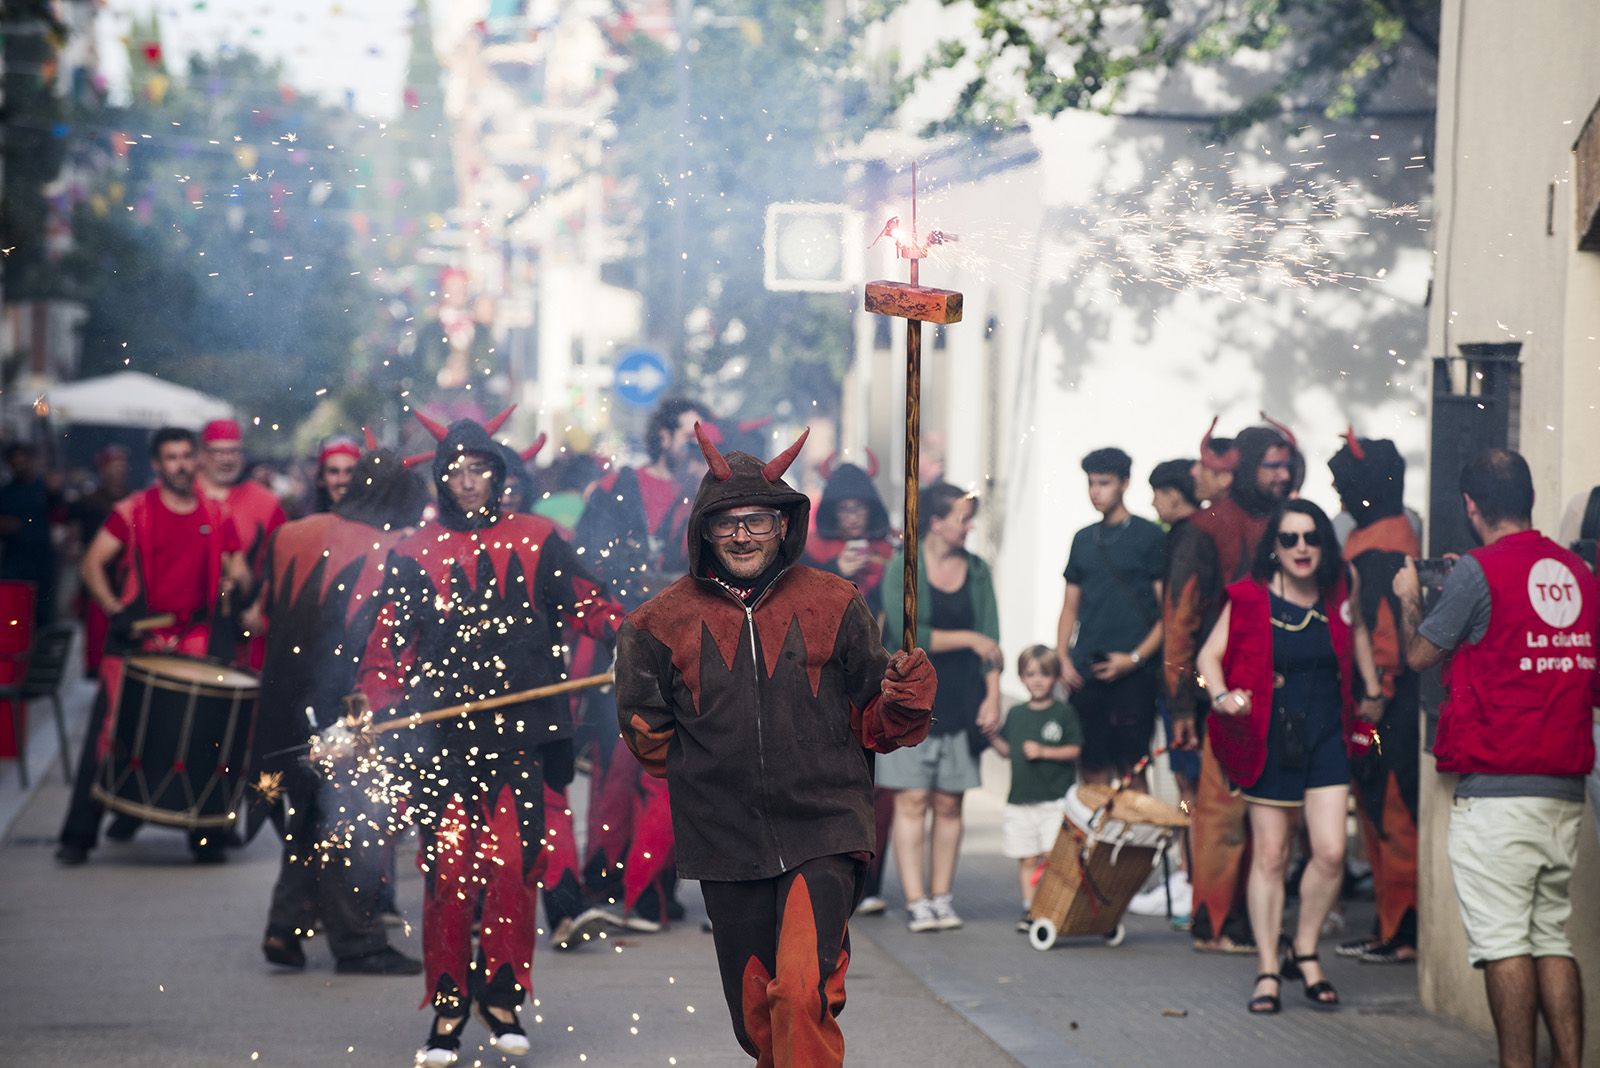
{"x": 1433, "y": 570}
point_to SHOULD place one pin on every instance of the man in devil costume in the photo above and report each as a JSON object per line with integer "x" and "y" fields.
{"x": 1210, "y": 551}
{"x": 755, "y": 685}
{"x": 482, "y": 602}
{"x": 1369, "y": 476}
{"x": 324, "y": 584}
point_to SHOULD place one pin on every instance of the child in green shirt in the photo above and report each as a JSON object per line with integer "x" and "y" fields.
{"x": 1042, "y": 739}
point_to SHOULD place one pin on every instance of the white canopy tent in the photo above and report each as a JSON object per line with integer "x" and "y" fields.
{"x": 134, "y": 399}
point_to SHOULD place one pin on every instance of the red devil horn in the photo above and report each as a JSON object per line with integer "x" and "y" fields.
{"x": 433, "y": 426}
{"x": 1355, "y": 443}
{"x": 1288, "y": 435}
{"x": 533, "y": 450}
{"x": 826, "y": 470}
{"x": 493, "y": 426}
{"x": 719, "y": 467}
{"x": 417, "y": 460}
{"x": 372, "y": 442}
{"x": 774, "y": 468}
{"x": 872, "y": 463}
{"x": 1205, "y": 439}
{"x": 1209, "y": 459}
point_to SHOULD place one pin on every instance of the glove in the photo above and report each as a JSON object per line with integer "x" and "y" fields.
{"x": 909, "y": 681}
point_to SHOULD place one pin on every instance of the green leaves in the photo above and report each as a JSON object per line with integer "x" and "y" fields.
{"x": 1331, "y": 55}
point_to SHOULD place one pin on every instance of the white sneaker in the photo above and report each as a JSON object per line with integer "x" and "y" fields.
{"x": 870, "y": 905}
{"x": 920, "y": 916}
{"x": 944, "y": 913}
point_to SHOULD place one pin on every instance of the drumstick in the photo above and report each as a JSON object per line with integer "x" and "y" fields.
{"x": 493, "y": 702}
{"x": 150, "y": 623}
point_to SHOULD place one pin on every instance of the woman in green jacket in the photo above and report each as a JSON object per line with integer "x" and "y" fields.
{"x": 959, "y": 624}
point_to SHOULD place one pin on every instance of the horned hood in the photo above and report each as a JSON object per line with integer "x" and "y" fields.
{"x": 464, "y": 436}
{"x": 742, "y": 480}
{"x": 849, "y": 482}
{"x": 1370, "y": 477}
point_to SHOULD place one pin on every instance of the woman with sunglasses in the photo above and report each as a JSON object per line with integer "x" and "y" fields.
{"x": 1287, "y": 666}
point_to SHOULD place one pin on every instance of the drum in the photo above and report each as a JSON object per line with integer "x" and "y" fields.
{"x": 180, "y": 742}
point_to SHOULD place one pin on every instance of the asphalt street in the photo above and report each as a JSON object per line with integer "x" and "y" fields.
{"x": 140, "y": 958}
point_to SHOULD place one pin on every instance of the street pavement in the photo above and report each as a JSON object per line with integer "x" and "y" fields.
{"x": 140, "y": 958}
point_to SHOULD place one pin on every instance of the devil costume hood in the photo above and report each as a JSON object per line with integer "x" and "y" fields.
{"x": 849, "y": 482}
{"x": 758, "y": 714}
{"x": 1370, "y": 477}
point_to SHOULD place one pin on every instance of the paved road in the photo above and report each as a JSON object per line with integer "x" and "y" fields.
{"x": 139, "y": 958}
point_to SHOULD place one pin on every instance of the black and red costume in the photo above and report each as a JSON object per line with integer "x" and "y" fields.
{"x": 631, "y": 533}
{"x": 1369, "y": 475}
{"x": 481, "y": 605}
{"x": 325, "y": 578}
{"x": 1210, "y": 552}
{"x": 758, "y": 701}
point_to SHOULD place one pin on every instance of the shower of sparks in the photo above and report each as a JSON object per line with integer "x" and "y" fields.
{"x": 269, "y": 786}
{"x": 1210, "y": 233}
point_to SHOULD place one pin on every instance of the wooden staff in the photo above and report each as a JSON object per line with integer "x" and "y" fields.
{"x": 433, "y": 716}
{"x": 917, "y": 304}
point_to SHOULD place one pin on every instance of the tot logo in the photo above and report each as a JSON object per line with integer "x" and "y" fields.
{"x": 1554, "y": 591}
{"x": 1050, "y": 733}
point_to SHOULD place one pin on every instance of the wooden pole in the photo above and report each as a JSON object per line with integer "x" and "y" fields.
{"x": 493, "y": 702}
{"x": 908, "y": 602}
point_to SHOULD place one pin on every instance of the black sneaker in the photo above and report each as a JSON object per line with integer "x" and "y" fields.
{"x": 283, "y": 950}
{"x": 71, "y": 855}
{"x": 387, "y": 961}
{"x": 1024, "y": 925}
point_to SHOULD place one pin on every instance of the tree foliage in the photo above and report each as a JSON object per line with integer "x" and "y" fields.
{"x": 232, "y": 232}
{"x": 766, "y": 93}
{"x": 1048, "y": 56}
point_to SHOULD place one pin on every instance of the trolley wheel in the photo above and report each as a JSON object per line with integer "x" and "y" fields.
{"x": 1116, "y": 937}
{"x": 1042, "y": 934}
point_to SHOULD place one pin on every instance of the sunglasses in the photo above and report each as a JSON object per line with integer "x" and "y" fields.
{"x": 757, "y": 524}
{"x": 1288, "y": 540}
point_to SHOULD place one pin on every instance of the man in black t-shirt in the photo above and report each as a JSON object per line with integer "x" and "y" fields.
{"x": 1110, "y": 627}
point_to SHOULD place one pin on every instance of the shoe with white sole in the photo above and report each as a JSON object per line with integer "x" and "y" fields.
{"x": 920, "y": 917}
{"x": 443, "y": 1047}
{"x": 509, "y": 1038}
{"x": 944, "y": 912}
{"x": 870, "y": 905}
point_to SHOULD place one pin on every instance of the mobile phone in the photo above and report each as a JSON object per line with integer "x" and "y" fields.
{"x": 856, "y": 545}
{"x": 1433, "y": 570}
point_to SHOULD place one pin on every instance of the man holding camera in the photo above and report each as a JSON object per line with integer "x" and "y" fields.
{"x": 1518, "y": 621}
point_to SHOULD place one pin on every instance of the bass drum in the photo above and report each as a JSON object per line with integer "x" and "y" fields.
{"x": 179, "y": 742}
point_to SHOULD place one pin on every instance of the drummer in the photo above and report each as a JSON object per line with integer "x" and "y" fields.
{"x": 178, "y": 554}
{"x": 254, "y": 512}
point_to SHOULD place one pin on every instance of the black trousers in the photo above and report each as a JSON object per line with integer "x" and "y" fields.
{"x": 783, "y": 946}
{"x": 331, "y": 885}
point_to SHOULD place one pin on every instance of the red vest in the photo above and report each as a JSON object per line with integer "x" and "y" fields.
{"x": 1240, "y": 742}
{"x": 1519, "y": 699}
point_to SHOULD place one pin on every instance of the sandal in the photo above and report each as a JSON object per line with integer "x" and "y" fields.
{"x": 1360, "y": 947}
{"x": 1321, "y": 994}
{"x": 1390, "y": 952}
{"x": 508, "y": 1038}
{"x": 443, "y": 1048}
{"x": 1267, "y": 1004}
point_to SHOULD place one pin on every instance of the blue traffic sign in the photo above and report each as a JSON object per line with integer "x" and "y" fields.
{"x": 641, "y": 377}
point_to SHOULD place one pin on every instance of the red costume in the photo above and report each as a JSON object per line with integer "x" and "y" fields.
{"x": 1212, "y": 550}
{"x": 171, "y": 562}
{"x": 1370, "y": 477}
{"x": 481, "y": 604}
{"x": 756, "y": 699}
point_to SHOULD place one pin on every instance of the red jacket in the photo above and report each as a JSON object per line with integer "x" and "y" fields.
{"x": 1519, "y": 699}
{"x": 1240, "y": 742}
